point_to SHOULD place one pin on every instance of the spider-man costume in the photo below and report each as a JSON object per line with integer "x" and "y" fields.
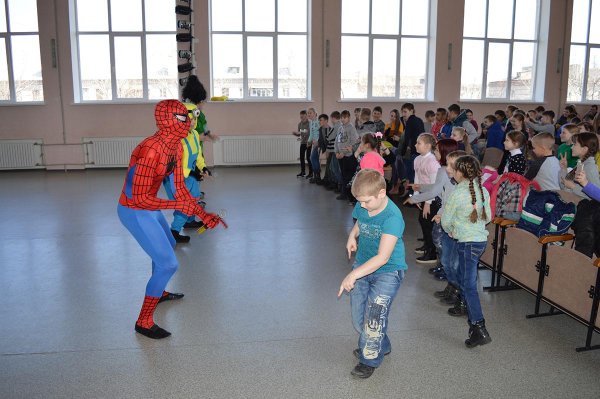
{"x": 139, "y": 207}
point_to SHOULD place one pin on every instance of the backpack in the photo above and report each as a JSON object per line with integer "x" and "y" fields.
{"x": 546, "y": 213}
{"x": 508, "y": 195}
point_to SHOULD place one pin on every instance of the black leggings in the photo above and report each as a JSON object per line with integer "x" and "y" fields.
{"x": 427, "y": 226}
{"x": 305, "y": 156}
{"x": 587, "y": 228}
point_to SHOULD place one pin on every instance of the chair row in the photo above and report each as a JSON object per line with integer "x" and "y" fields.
{"x": 548, "y": 268}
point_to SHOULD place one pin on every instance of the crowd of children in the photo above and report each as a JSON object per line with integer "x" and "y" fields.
{"x": 436, "y": 165}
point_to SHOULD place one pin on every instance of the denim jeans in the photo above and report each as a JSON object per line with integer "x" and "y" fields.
{"x": 335, "y": 169}
{"x": 315, "y": 161}
{"x": 371, "y": 300}
{"x": 468, "y": 259}
{"x": 449, "y": 258}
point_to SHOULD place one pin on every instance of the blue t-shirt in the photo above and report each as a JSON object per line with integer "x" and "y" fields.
{"x": 388, "y": 221}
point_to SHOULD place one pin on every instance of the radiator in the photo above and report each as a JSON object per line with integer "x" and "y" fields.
{"x": 21, "y": 154}
{"x": 109, "y": 152}
{"x": 256, "y": 150}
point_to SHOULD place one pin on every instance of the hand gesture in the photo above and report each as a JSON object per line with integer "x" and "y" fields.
{"x": 563, "y": 161}
{"x": 415, "y": 187}
{"x": 437, "y": 219}
{"x": 570, "y": 184}
{"x": 351, "y": 246}
{"x": 581, "y": 178}
{"x": 347, "y": 284}
{"x": 211, "y": 220}
{"x": 426, "y": 210}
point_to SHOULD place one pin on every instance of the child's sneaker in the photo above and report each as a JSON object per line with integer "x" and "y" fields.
{"x": 362, "y": 371}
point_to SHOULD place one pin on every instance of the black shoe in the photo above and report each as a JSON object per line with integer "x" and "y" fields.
{"x": 436, "y": 269}
{"x": 427, "y": 258}
{"x": 337, "y": 190}
{"x": 179, "y": 237}
{"x": 362, "y": 371}
{"x": 443, "y": 293}
{"x": 193, "y": 225}
{"x": 154, "y": 332}
{"x": 441, "y": 276}
{"x": 309, "y": 176}
{"x": 320, "y": 182}
{"x": 352, "y": 202}
{"x": 171, "y": 296}
{"x": 459, "y": 309}
{"x": 420, "y": 250}
{"x": 342, "y": 197}
{"x": 478, "y": 335}
{"x": 301, "y": 174}
{"x": 356, "y": 353}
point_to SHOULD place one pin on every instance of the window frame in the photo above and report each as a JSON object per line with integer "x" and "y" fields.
{"x": 76, "y": 55}
{"x": 7, "y": 36}
{"x": 274, "y": 36}
{"x": 429, "y": 60}
{"x": 586, "y": 63}
{"x": 539, "y": 51}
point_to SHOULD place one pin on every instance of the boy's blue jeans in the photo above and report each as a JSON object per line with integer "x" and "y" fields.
{"x": 335, "y": 169}
{"x": 449, "y": 258}
{"x": 371, "y": 300}
{"x": 468, "y": 260}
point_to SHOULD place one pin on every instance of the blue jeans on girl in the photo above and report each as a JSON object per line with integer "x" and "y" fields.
{"x": 449, "y": 258}
{"x": 468, "y": 260}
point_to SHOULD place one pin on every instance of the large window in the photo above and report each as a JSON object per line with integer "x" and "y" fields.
{"x": 259, "y": 49}
{"x": 125, "y": 50}
{"x": 500, "y": 49}
{"x": 20, "y": 65}
{"x": 385, "y": 49}
{"x": 584, "y": 59}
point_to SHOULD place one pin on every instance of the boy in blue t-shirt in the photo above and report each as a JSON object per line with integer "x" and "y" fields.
{"x": 378, "y": 269}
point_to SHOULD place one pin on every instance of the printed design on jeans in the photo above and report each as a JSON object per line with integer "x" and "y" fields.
{"x": 370, "y": 231}
{"x": 374, "y": 325}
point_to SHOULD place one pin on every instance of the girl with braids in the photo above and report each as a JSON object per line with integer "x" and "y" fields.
{"x": 466, "y": 224}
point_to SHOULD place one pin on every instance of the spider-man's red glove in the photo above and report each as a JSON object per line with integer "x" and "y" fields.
{"x": 210, "y": 220}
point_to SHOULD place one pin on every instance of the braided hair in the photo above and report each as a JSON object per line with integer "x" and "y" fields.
{"x": 470, "y": 168}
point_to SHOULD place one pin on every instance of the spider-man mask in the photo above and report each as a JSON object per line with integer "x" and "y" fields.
{"x": 172, "y": 117}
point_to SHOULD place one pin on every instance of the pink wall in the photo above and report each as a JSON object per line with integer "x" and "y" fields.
{"x": 242, "y": 118}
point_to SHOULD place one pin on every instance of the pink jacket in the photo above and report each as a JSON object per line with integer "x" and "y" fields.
{"x": 426, "y": 167}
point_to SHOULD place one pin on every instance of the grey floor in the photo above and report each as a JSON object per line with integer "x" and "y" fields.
{"x": 260, "y": 318}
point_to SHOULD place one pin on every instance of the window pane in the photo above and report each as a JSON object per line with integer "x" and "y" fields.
{"x": 27, "y": 68}
{"x": 161, "y": 61}
{"x": 576, "y": 71}
{"x": 126, "y": 15}
{"x": 384, "y": 71}
{"x": 471, "y": 76}
{"x": 94, "y": 62}
{"x": 500, "y": 17}
{"x": 291, "y": 15}
{"x": 226, "y": 15}
{"x": 4, "y": 86}
{"x": 160, "y": 15}
{"x": 415, "y": 17}
{"x": 579, "y": 27}
{"x": 594, "y": 27}
{"x": 227, "y": 66}
{"x": 497, "y": 61}
{"x": 526, "y": 17}
{"x": 260, "y": 66}
{"x": 22, "y": 15}
{"x": 474, "y": 25}
{"x": 292, "y": 65}
{"x": 92, "y": 15}
{"x": 128, "y": 67}
{"x": 385, "y": 17}
{"x": 2, "y": 17}
{"x": 413, "y": 68}
{"x": 521, "y": 86}
{"x": 355, "y": 16}
{"x": 355, "y": 70}
{"x": 593, "y": 76}
{"x": 260, "y": 15}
